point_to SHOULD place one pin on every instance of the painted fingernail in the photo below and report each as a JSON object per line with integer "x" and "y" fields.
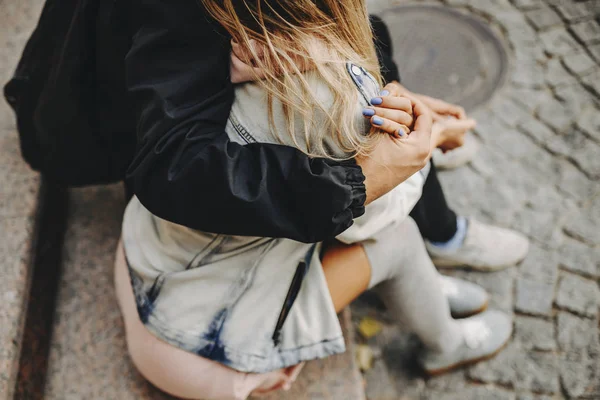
{"x": 368, "y": 112}
{"x": 385, "y": 92}
{"x": 377, "y": 121}
{"x": 401, "y": 133}
{"x": 376, "y": 101}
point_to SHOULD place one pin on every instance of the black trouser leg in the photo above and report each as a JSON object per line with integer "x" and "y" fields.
{"x": 435, "y": 219}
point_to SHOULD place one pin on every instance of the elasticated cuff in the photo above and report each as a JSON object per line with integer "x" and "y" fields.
{"x": 356, "y": 180}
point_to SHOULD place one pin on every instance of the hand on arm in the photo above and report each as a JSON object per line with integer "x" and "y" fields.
{"x": 450, "y": 122}
{"x": 395, "y": 159}
{"x": 186, "y": 169}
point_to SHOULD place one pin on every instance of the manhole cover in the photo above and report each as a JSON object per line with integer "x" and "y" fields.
{"x": 446, "y": 54}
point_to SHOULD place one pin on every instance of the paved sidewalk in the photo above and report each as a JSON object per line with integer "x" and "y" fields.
{"x": 538, "y": 171}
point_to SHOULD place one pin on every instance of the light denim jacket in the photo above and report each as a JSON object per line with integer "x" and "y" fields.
{"x": 254, "y": 304}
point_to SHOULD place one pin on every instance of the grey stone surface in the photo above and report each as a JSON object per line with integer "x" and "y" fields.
{"x": 534, "y": 333}
{"x": 575, "y": 11}
{"x": 556, "y": 116}
{"x": 533, "y": 297}
{"x": 472, "y": 393}
{"x": 19, "y": 189}
{"x": 557, "y": 75}
{"x": 583, "y": 225}
{"x": 589, "y": 122}
{"x": 587, "y": 32}
{"x": 578, "y": 338}
{"x": 540, "y": 265}
{"x": 580, "y": 258}
{"x": 592, "y": 82}
{"x": 578, "y": 295}
{"x": 521, "y": 370}
{"x": 531, "y": 396}
{"x": 538, "y": 172}
{"x": 558, "y": 42}
{"x": 528, "y": 4}
{"x": 580, "y": 63}
{"x": 543, "y": 18}
{"x": 576, "y": 334}
{"x": 595, "y": 50}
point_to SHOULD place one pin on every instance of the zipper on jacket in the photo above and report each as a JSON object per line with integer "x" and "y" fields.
{"x": 292, "y": 293}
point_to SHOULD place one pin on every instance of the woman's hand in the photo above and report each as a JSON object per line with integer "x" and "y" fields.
{"x": 394, "y": 159}
{"x": 451, "y": 132}
{"x": 391, "y": 114}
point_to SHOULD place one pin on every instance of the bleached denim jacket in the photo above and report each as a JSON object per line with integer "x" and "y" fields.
{"x": 254, "y": 304}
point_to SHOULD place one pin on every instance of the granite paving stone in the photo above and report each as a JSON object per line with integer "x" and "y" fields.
{"x": 592, "y": 82}
{"x": 537, "y": 130}
{"x": 578, "y": 339}
{"x": 575, "y": 98}
{"x": 533, "y": 297}
{"x": 579, "y": 374}
{"x": 528, "y": 4}
{"x": 556, "y": 116}
{"x": 529, "y": 98}
{"x": 543, "y": 18}
{"x": 595, "y": 50}
{"x": 579, "y": 295}
{"x": 472, "y": 393}
{"x": 557, "y": 75}
{"x": 534, "y": 333}
{"x": 521, "y": 370}
{"x": 589, "y": 122}
{"x": 587, "y": 32}
{"x": 531, "y": 396}
{"x": 574, "y": 11}
{"x": 571, "y": 181}
{"x": 559, "y": 42}
{"x": 583, "y": 225}
{"x": 576, "y": 334}
{"x": 580, "y": 63}
{"x": 540, "y": 265}
{"x": 580, "y": 258}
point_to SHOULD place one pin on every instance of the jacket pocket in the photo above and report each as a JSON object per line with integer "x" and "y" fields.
{"x": 292, "y": 294}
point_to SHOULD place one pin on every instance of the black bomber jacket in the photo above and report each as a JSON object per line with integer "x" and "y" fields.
{"x": 160, "y": 68}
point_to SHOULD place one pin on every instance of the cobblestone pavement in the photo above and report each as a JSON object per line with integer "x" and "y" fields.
{"x": 538, "y": 171}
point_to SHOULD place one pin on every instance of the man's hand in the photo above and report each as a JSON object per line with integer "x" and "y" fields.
{"x": 440, "y": 109}
{"x": 451, "y": 132}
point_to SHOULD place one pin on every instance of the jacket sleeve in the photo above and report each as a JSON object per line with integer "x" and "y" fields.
{"x": 187, "y": 171}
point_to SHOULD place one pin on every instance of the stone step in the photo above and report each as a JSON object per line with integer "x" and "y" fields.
{"x": 19, "y": 191}
{"x": 88, "y": 358}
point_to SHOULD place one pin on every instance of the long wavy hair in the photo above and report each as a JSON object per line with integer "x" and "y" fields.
{"x": 298, "y": 35}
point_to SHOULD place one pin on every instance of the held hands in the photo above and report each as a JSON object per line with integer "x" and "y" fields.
{"x": 398, "y": 155}
{"x": 393, "y": 113}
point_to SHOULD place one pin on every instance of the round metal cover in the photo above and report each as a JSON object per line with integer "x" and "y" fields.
{"x": 443, "y": 53}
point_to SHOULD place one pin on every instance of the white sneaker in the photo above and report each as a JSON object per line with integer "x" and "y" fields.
{"x": 457, "y": 157}
{"x": 464, "y": 298}
{"x": 485, "y": 248}
{"x": 484, "y": 335}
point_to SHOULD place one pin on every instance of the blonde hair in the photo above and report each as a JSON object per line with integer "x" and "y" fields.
{"x": 296, "y": 35}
